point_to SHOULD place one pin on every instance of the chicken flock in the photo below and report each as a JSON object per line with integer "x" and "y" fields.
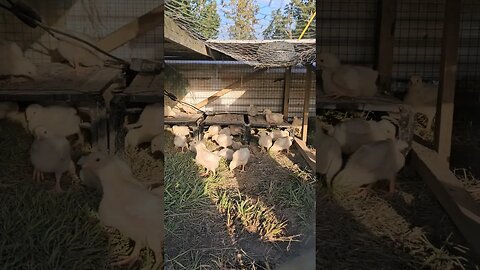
{"x": 126, "y": 205}
{"x": 228, "y": 146}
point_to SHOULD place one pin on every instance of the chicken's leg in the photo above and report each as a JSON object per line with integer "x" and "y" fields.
{"x": 204, "y": 174}
{"x": 243, "y": 168}
{"x": 38, "y": 175}
{"x": 391, "y": 187}
{"x": 57, "y": 188}
{"x": 132, "y": 258}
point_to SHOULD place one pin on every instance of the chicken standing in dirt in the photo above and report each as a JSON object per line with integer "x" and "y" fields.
{"x": 240, "y": 158}
{"x": 128, "y": 206}
{"x": 282, "y": 144}
{"x": 206, "y": 159}
{"x": 372, "y": 162}
{"x": 51, "y": 153}
{"x": 265, "y": 141}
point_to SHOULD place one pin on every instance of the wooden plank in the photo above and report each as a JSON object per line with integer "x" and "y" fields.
{"x": 100, "y": 80}
{"x": 448, "y": 74}
{"x": 229, "y": 88}
{"x": 132, "y": 30}
{"x": 174, "y": 33}
{"x": 456, "y": 201}
{"x": 286, "y": 91}
{"x": 306, "y": 154}
{"x": 306, "y": 102}
{"x": 385, "y": 39}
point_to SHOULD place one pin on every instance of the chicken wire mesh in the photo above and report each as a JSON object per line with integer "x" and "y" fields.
{"x": 257, "y": 53}
{"x": 347, "y": 29}
{"x": 201, "y": 79}
{"x": 93, "y": 18}
{"x": 418, "y": 41}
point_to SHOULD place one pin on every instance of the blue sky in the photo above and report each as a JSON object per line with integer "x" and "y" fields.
{"x": 264, "y": 16}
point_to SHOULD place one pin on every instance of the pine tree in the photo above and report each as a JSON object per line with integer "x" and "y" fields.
{"x": 289, "y": 23}
{"x": 202, "y": 16}
{"x": 243, "y": 14}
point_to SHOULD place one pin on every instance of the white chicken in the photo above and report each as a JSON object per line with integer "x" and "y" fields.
{"x": 252, "y": 110}
{"x": 180, "y": 142}
{"x": 223, "y": 140}
{"x": 282, "y": 144}
{"x": 273, "y": 118}
{"x": 346, "y": 80}
{"x": 265, "y": 141}
{"x": 240, "y": 158}
{"x": 128, "y": 206}
{"x": 168, "y": 112}
{"x": 77, "y": 53}
{"x": 147, "y": 127}
{"x": 329, "y": 155}
{"x": 372, "y": 162}
{"x": 212, "y": 131}
{"x": 181, "y": 130}
{"x": 51, "y": 153}
{"x": 276, "y": 134}
{"x": 423, "y": 98}
{"x": 225, "y": 131}
{"x": 59, "y": 120}
{"x": 353, "y": 133}
{"x": 13, "y": 62}
{"x": 206, "y": 159}
{"x": 226, "y": 153}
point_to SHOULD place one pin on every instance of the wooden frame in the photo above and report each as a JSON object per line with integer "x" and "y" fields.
{"x": 306, "y": 102}
{"x": 385, "y": 39}
{"x": 457, "y": 202}
{"x": 134, "y": 29}
{"x": 176, "y": 34}
{"x": 287, "y": 85}
{"x": 448, "y": 75}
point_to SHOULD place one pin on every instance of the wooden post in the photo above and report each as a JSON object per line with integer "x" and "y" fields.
{"x": 229, "y": 88}
{"x": 448, "y": 74}
{"x": 286, "y": 91}
{"x": 306, "y": 102}
{"x": 385, "y": 38}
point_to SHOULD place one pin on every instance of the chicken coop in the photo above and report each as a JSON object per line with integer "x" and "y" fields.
{"x": 436, "y": 41}
{"x": 216, "y": 85}
{"x": 93, "y": 65}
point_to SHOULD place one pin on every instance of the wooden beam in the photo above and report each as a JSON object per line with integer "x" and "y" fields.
{"x": 306, "y": 102}
{"x": 176, "y": 34}
{"x": 385, "y": 38}
{"x": 286, "y": 91}
{"x": 229, "y": 88}
{"x": 456, "y": 201}
{"x": 306, "y": 154}
{"x": 448, "y": 74}
{"x": 136, "y": 28}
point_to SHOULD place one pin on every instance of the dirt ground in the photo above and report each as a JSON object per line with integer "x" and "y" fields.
{"x": 275, "y": 192}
